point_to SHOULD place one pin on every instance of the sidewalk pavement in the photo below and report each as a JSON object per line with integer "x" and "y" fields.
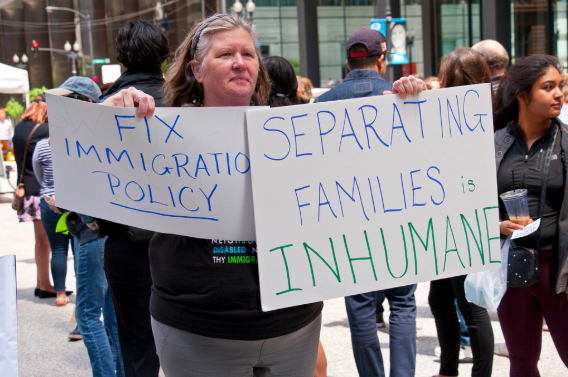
{"x": 43, "y": 328}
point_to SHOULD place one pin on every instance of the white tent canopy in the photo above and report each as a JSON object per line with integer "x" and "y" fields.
{"x": 14, "y": 80}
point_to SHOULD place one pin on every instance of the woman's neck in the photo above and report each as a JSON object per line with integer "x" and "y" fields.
{"x": 225, "y": 102}
{"x": 533, "y": 127}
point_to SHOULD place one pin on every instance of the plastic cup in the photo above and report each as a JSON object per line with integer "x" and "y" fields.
{"x": 517, "y": 206}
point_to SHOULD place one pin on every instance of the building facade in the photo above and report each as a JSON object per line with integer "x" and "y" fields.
{"x": 289, "y": 28}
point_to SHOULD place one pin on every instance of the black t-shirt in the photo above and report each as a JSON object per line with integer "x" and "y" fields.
{"x": 210, "y": 288}
{"x": 527, "y": 167}
{"x": 21, "y": 133}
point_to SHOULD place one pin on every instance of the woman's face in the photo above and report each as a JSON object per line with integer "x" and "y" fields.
{"x": 546, "y": 96}
{"x": 398, "y": 38}
{"x": 230, "y": 69}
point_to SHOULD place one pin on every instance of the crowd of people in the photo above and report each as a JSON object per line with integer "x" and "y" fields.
{"x": 149, "y": 286}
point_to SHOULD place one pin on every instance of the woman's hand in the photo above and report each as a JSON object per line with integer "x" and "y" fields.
{"x": 132, "y": 97}
{"x": 93, "y": 225}
{"x": 507, "y": 228}
{"x": 407, "y": 86}
{"x": 52, "y": 206}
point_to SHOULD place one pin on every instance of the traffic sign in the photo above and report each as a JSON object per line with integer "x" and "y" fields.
{"x": 101, "y": 61}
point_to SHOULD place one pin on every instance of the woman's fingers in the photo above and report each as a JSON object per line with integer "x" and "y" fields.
{"x": 507, "y": 228}
{"x": 132, "y": 97}
{"x": 146, "y": 106}
{"x": 52, "y": 206}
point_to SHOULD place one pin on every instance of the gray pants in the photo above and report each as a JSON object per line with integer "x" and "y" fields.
{"x": 186, "y": 354}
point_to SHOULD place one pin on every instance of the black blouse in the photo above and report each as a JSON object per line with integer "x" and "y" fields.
{"x": 527, "y": 166}
{"x": 21, "y": 133}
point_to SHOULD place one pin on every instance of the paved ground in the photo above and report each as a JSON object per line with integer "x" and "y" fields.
{"x": 43, "y": 327}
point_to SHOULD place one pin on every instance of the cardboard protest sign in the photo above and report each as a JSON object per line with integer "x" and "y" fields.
{"x": 371, "y": 193}
{"x": 183, "y": 171}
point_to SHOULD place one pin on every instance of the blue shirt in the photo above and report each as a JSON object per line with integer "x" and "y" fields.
{"x": 357, "y": 83}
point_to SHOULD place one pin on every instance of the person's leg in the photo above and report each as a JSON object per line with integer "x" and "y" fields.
{"x": 112, "y": 331}
{"x": 321, "y": 364}
{"x": 463, "y": 328}
{"x": 42, "y": 254}
{"x": 361, "y": 311}
{"x": 185, "y": 354}
{"x": 519, "y": 309}
{"x": 59, "y": 248}
{"x": 380, "y": 319}
{"x": 293, "y": 354}
{"x": 380, "y": 301}
{"x": 91, "y": 288}
{"x": 441, "y": 301}
{"x": 127, "y": 268}
{"x": 479, "y": 329}
{"x": 402, "y": 330}
{"x": 554, "y": 305}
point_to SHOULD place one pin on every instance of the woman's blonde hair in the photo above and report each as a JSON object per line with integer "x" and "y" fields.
{"x": 181, "y": 86}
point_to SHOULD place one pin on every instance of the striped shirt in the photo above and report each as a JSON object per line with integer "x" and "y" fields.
{"x": 43, "y": 167}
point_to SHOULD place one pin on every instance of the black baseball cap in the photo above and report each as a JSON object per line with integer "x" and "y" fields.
{"x": 373, "y": 40}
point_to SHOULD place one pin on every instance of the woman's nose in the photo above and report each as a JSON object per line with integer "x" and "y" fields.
{"x": 238, "y": 61}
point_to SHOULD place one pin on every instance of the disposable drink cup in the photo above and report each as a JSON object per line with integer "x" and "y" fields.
{"x": 517, "y": 206}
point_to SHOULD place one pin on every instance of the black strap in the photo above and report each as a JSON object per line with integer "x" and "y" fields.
{"x": 544, "y": 185}
{"x": 26, "y": 152}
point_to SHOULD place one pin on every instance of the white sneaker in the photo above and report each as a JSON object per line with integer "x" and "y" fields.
{"x": 501, "y": 349}
{"x": 465, "y": 354}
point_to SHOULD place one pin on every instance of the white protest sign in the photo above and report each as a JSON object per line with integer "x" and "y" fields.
{"x": 8, "y": 317}
{"x": 183, "y": 171}
{"x": 371, "y": 193}
{"x": 529, "y": 229}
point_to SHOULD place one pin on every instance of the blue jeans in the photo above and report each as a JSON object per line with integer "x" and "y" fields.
{"x": 361, "y": 311}
{"x": 92, "y": 298}
{"x": 59, "y": 246}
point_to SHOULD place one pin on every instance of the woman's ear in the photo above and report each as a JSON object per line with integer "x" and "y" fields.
{"x": 196, "y": 68}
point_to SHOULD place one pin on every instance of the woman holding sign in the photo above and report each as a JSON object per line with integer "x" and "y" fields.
{"x": 464, "y": 66}
{"x": 531, "y": 144}
{"x": 207, "y": 317}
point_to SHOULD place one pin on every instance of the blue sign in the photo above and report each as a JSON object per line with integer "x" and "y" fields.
{"x": 397, "y": 35}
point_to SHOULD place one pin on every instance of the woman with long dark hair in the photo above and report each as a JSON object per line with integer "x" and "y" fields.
{"x": 463, "y": 66}
{"x": 526, "y": 108}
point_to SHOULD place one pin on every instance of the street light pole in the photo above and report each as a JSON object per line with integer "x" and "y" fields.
{"x": 388, "y": 16}
{"x": 51, "y": 8}
{"x": 91, "y": 44}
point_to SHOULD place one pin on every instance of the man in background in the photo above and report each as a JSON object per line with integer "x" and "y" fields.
{"x": 496, "y": 57}
{"x": 366, "y": 61}
{"x": 6, "y": 132}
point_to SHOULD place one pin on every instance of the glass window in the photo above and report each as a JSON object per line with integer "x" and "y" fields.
{"x": 539, "y": 27}
{"x": 459, "y": 24}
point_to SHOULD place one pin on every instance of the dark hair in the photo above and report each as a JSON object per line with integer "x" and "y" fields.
{"x": 364, "y": 62}
{"x": 464, "y": 66}
{"x": 283, "y": 82}
{"x": 519, "y": 79}
{"x": 141, "y": 45}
